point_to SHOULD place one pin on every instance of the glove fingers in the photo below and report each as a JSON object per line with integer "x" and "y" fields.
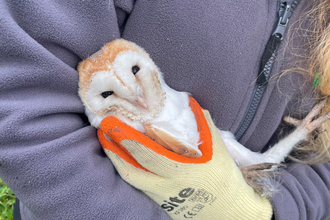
{"x": 134, "y": 176}
{"x": 152, "y": 161}
{"x": 143, "y": 152}
{"x": 109, "y": 144}
{"x": 119, "y": 132}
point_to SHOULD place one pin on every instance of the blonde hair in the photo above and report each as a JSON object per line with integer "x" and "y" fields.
{"x": 318, "y": 59}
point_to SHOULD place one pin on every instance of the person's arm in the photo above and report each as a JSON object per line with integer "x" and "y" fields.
{"x": 303, "y": 192}
{"x": 50, "y": 157}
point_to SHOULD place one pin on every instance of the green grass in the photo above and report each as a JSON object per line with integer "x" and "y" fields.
{"x": 7, "y": 200}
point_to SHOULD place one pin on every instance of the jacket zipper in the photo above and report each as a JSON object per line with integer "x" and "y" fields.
{"x": 267, "y": 61}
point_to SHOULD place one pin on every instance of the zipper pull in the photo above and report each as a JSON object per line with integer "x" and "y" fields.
{"x": 284, "y": 14}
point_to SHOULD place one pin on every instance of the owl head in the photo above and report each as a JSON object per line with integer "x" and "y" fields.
{"x": 120, "y": 80}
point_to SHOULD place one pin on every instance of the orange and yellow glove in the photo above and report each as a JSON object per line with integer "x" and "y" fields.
{"x": 206, "y": 188}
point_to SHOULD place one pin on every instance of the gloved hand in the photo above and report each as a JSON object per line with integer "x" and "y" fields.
{"x": 208, "y": 187}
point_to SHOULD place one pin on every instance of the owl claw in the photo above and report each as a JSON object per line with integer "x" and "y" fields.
{"x": 310, "y": 122}
{"x": 254, "y": 173}
{"x": 259, "y": 170}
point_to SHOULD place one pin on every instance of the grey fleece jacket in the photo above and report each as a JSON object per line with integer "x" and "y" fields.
{"x": 50, "y": 156}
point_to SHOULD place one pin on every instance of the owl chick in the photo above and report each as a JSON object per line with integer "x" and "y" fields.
{"x": 121, "y": 80}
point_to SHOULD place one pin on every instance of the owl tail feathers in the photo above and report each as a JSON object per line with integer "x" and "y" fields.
{"x": 113, "y": 133}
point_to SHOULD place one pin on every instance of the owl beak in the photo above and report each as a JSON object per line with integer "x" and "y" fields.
{"x": 142, "y": 103}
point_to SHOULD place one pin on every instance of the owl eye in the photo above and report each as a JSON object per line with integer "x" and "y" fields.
{"x": 135, "y": 69}
{"x": 106, "y": 94}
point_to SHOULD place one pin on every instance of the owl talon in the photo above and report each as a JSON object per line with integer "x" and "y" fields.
{"x": 311, "y": 122}
{"x": 254, "y": 173}
{"x": 259, "y": 170}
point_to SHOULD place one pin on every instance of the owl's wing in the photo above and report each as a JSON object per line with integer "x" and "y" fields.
{"x": 171, "y": 143}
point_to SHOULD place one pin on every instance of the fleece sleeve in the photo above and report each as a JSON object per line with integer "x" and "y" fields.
{"x": 49, "y": 156}
{"x": 303, "y": 192}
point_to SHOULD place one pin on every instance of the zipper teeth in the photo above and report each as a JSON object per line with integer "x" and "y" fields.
{"x": 251, "y": 112}
{"x": 269, "y": 65}
{"x": 254, "y": 103}
{"x": 285, "y": 13}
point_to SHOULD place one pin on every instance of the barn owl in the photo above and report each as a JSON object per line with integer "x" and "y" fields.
{"x": 121, "y": 80}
